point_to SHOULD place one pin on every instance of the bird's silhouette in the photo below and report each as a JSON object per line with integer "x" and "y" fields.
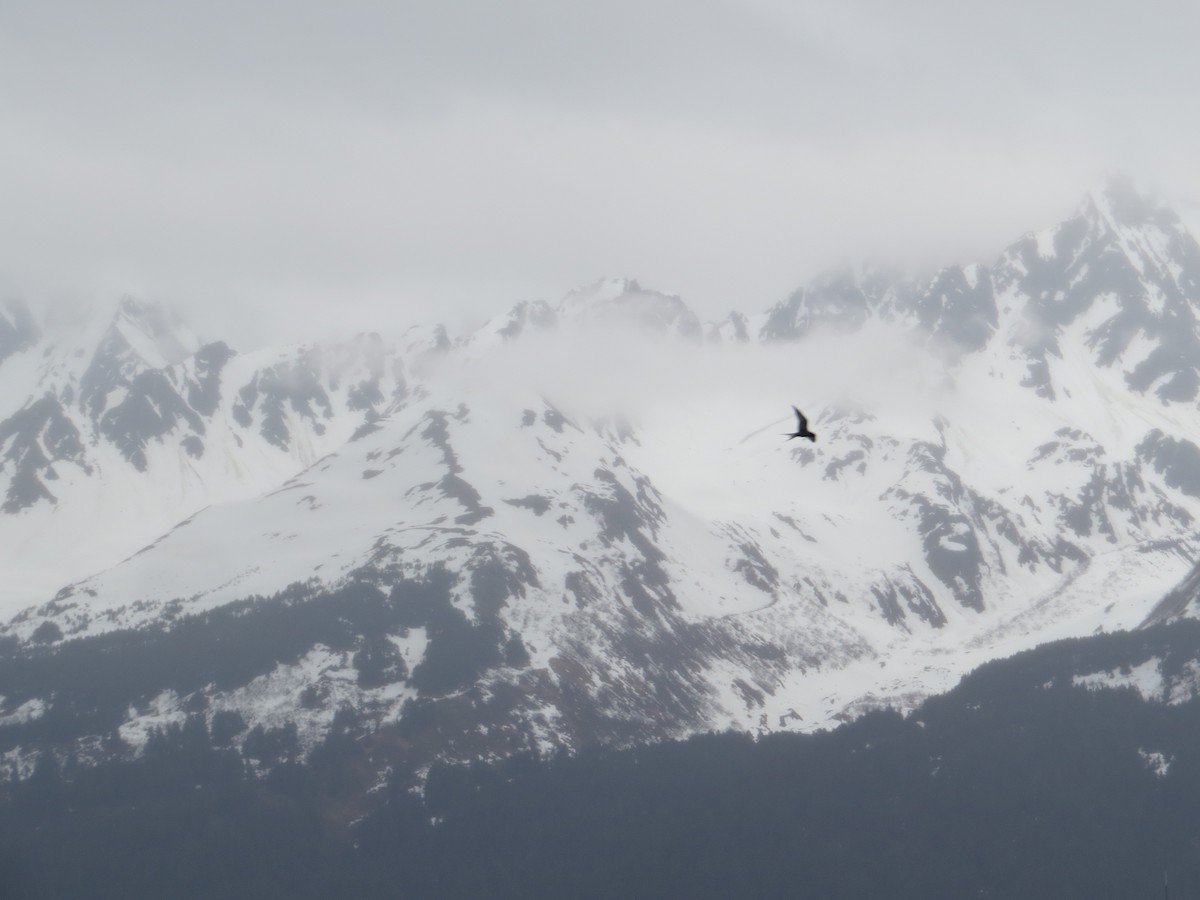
{"x": 802, "y": 428}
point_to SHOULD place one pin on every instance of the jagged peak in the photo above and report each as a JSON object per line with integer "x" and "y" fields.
{"x": 624, "y": 300}
{"x": 124, "y": 339}
{"x": 601, "y": 290}
{"x": 841, "y": 298}
{"x": 421, "y": 345}
{"x": 1117, "y": 214}
{"x": 1117, "y": 210}
{"x": 866, "y": 275}
{"x": 154, "y": 331}
{"x": 518, "y": 320}
{"x": 147, "y": 331}
{"x": 600, "y": 293}
{"x": 1119, "y": 204}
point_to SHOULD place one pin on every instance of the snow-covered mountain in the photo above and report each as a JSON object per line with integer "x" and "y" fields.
{"x": 581, "y": 522}
{"x": 116, "y": 425}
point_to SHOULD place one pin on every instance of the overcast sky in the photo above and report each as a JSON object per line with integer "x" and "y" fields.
{"x": 284, "y": 167}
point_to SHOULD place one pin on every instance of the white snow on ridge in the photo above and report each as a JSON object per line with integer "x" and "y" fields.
{"x": 1146, "y": 679}
{"x": 1149, "y": 681}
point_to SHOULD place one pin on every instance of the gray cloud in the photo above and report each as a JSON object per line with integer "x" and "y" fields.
{"x": 284, "y": 166}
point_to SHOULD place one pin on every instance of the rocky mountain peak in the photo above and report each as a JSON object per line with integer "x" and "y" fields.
{"x": 622, "y": 301}
{"x": 154, "y": 331}
{"x": 1117, "y": 204}
{"x": 842, "y": 299}
{"x": 521, "y": 319}
{"x": 141, "y": 337}
{"x": 1122, "y": 278}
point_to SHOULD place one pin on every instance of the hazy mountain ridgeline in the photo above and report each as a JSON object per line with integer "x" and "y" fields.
{"x": 579, "y": 525}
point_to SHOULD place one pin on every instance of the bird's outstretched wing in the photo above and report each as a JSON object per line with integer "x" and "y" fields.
{"x": 803, "y": 422}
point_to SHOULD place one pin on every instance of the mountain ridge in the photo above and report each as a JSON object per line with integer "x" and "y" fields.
{"x": 612, "y": 542}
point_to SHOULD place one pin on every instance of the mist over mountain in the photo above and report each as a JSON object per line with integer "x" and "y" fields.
{"x": 579, "y": 524}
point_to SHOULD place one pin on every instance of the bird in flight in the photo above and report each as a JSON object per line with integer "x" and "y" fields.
{"x": 802, "y": 428}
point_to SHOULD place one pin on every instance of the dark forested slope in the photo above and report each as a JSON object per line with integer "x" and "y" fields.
{"x": 1021, "y": 782}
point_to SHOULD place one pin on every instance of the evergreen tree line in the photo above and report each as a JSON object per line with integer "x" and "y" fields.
{"x": 88, "y": 684}
{"x": 1016, "y": 784}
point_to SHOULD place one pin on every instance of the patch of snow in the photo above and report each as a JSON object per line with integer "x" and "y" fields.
{"x": 1158, "y": 763}
{"x": 160, "y": 713}
{"x": 1146, "y": 679}
{"x": 26, "y": 712}
{"x": 1185, "y": 686}
{"x": 1045, "y": 242}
